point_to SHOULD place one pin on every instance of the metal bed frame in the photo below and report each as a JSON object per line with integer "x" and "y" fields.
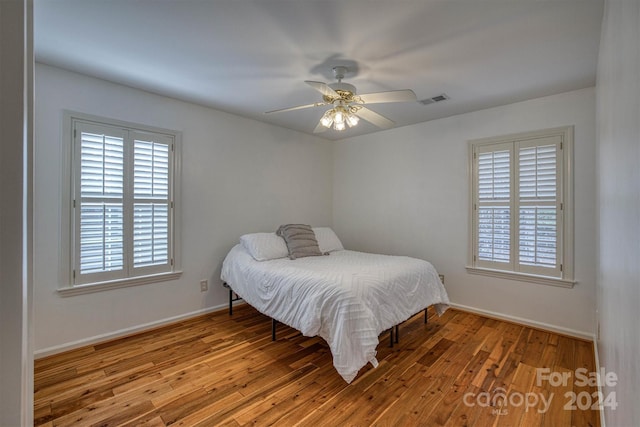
{"x": 394, "y": 331}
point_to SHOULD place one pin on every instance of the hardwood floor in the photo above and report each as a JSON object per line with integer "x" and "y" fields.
{"x": 460, "y": 369}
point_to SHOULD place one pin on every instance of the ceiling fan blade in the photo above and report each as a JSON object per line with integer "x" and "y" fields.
{"x": 320, "y": 128}
{"x": 374, "y": 118}
{"x": 299, "y": 107}
{"x": 323, "y": 88}
{"x": 405, "y": 95}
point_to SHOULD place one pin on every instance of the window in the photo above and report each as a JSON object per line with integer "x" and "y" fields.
{"x": 521, "y": 210}
{"x": 123, "y": 203}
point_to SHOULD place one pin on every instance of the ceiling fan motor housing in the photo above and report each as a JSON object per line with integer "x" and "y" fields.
{"x": 345, "y": 87}
{"x": 346, "y": 92}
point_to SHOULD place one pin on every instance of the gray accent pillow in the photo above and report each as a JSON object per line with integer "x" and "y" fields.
{"x": 300, "y": 239}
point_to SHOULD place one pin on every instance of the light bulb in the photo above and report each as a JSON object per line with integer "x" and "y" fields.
{"x": 352, "y": 120}
{"x": 326, "y": 119}
{"x": 339, "y": 126}
{"x": 338, "y": 117}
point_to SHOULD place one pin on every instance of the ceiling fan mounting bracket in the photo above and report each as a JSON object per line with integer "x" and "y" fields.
{"x": 339, "y": 72}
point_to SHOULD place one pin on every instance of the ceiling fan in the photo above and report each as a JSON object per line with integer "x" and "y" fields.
{"x": 347, "y": 107}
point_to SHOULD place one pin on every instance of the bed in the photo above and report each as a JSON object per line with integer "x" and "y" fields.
{"x": 346, "y": 297}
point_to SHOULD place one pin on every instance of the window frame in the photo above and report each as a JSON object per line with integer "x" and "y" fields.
{"x": 565, "y": 219}
{"x": 68, "y": 258}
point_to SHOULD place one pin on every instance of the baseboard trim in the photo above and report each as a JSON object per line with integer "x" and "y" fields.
{"x": 49, "y": 351}
{"x": 527, "y": 322}
{"x": 39, "y": 354}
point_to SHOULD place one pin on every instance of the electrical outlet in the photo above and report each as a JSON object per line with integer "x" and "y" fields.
{"x": 204, "y": 285}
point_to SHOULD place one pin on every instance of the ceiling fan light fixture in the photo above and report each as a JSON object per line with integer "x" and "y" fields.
{"x": 339, "y": 117}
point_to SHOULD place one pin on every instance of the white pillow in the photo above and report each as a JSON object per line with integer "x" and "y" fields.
{"x": 264, "y": 246}
{"x": 327, "y": 240}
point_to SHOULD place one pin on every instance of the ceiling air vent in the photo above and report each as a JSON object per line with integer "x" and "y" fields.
{"x": 437, "y": 98}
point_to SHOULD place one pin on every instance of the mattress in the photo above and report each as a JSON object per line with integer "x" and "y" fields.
{"x": 348, "y": 298}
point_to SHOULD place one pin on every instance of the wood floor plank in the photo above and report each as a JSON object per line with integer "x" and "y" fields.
{"x": 430, "y": 397}
{"x": 370, "y": 405}
{"x": 584, "y": 358}
{"x": 48, "y": 364}
{"x": 535, "y": 346}
{"x": 442, "y": 413}
{"x": 435, "y": 352}
{"x": 224, "y": 370}
{"x": 343, "y": 403}
{"x": 54, "y": 389}
{"x": 274, "y": 407}
{"x": 558, "y": 415}
{"x": 534, "y": 414}
{"x": 331, "y": 386}
{"x": 514, "y": 405}
{"x": 261, "y": 393}
{"x": 99, "y": 411}
{"x": 467, "y": 411}
{"x": 565, "y": 357}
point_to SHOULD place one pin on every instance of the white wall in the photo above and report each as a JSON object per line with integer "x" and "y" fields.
{"x": 618, "y": 94}
{"x": 403, "y": 191}
{"x": 16, "y": 120}
{"x": 238, "y": 176}
{"x": 406, "y": 191}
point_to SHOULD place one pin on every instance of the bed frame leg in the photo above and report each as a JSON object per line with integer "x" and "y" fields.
{"x": 391, "y": 337}
{"x": 397, "y": 334}
{"x": 230, "y": 302}
{"x": 425, "y": 315}
{"x": 273, "y": 329}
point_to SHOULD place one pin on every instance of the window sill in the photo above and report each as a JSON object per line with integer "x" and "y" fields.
{"x": 522, "y": 277}
{"x": 116, "y": 284}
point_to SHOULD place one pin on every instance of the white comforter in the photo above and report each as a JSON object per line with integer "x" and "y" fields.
{"x": 348, "y": 298}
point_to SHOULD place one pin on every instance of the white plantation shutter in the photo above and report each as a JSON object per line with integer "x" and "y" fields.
{"x": 100, "y": 202}
{"x": 538, "y": 205}
{"x": 123, "y": 203}
{"x": 151, "y": 176}
{"x": 150, "y": 234}
{"x": 493, "y": 207}
{"x": 518, "y": 215}
{"x": 101, "y": 237}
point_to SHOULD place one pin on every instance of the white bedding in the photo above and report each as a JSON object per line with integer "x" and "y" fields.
{"x": 348, "y": 298}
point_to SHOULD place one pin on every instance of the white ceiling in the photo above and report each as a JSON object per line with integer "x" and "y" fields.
{"x": 251, "y": 56}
